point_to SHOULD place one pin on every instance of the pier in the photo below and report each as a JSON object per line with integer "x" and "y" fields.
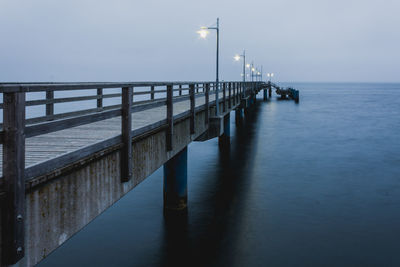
{"x": 61, "y": 170}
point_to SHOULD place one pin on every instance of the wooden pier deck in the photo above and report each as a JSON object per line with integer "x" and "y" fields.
{"x": 50, "y": 146}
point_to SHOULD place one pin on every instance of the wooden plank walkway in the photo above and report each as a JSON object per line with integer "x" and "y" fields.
{"x": 52, "y": 145}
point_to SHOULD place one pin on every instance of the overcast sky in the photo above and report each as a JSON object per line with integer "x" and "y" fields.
{"x": 102, "y": 40}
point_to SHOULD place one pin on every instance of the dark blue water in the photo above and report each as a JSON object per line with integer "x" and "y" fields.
{"x": 314, "y": 183}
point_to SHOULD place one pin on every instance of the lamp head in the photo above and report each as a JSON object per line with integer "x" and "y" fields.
{"x": 203, "y": 32}
{"x": 236, "y": 57}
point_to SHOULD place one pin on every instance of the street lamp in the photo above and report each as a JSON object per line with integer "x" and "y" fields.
{"x": 251, "y": 69}
{"x": 203, "y": 32}
{"x": 237, "y": 58}
{"x": 270, "y": 75}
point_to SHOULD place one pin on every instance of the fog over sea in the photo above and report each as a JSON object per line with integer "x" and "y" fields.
{"x": 309, "y": 184}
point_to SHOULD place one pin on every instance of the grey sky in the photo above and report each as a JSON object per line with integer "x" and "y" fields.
{"x": 308, "y": 40}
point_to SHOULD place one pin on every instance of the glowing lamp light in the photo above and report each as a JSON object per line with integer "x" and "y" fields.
{"x": 237, "y": 57}
{"x": 253, "y": 69}
{"x": 203, "y": 32}
{"x": 247, "y": 65}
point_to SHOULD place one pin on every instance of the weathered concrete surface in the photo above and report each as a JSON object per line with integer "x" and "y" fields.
{"x": 57, "y": 210}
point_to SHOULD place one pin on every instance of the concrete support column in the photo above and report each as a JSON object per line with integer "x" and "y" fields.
{"x": 225, "y": 139}
{"x": 175, "y": 183}
{"x": 270, "y": 92}
{"x": 238, "y": 116}
{"x": 265, "y": 94}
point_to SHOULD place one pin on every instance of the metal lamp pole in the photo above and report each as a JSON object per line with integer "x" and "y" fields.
{"x": 203, "y": 33}
{"x": 244, "y": 66}
{"x": 217, "y": 69}
{"x": 237, "y": 58}
{"x": 251, "y": 71}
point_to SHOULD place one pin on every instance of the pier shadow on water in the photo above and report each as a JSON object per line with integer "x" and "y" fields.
{"x": 207, "y": 235}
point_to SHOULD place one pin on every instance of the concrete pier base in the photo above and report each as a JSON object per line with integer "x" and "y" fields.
{"x": 238, "y": 116}
{"x": 225, "y": 138}
{"x": 175, "y": 183}
{"x": 270, "y": 92}
{"x": 246, "y": 111}
{"x": 265, "y": 94}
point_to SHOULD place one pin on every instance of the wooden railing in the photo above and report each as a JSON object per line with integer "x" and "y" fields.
{"x": 131, "y": 96}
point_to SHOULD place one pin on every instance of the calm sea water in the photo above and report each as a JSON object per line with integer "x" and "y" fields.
{"x": 309, "y": 184}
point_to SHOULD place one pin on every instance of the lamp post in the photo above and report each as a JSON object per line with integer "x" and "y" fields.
{"x": 270, "y": 75}
{"x": 203, "y": 34}
{"x": 237, "y": 58}
{"x": 252, "y": 70}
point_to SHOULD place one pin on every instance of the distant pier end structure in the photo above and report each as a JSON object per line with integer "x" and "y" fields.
{"x": 62, "y": 169}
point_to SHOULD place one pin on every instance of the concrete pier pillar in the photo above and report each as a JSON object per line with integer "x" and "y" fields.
{"x": 265, "y": 94}
{"x": 175, "y": 183}
{"x": 238, "y": 116}
{"x": 246, "y": 112}
{"x": 270, "y": 92}
{"x": 225, "y": 139}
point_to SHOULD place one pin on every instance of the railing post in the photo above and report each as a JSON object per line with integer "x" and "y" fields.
{"x": 126, "y": 132}
{"x": 152, "y": 92}
{"x": 192, "y": 108}
{"x": 99, "y": 98}
{"x": 50, "y": 106}
{"x": 234, "y": 94}
{"x": 238, "y": 96}
{"x": 224, "y": 97}
{"x": 180, "y": 89}
{"x": 197, "y": 88}
{"x": 207, "y": 103}
{"x": 230, "y": 95}
{"x": 170, "y": 116}
{"x": 216, "y": 91}
{"x": 13, "y": 203}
